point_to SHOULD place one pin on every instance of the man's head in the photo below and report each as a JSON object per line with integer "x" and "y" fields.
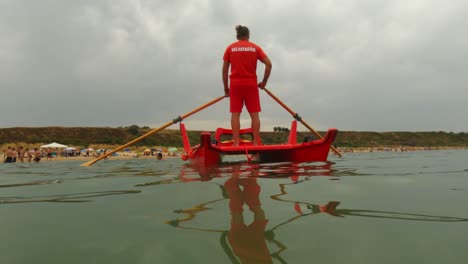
{"x": 242, "y": 32}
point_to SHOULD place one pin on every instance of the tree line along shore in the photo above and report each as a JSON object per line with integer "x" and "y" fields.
{"x": 107, "y": 136}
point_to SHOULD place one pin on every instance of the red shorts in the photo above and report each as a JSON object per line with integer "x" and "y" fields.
{"x": 244, "y": 93}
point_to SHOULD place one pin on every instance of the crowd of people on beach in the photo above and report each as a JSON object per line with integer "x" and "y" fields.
{"x": 15, "y": 154}
{"x": 21, "y": 154}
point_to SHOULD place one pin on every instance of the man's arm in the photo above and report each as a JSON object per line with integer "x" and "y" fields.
{"x": 266, "y": 75}
{"x": 225, "y": 77}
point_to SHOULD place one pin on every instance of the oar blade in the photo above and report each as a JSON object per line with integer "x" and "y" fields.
{"x": 88, "y": 163}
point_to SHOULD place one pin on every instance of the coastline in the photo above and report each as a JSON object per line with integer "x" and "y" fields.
{"x": 81, "y": 158}
{"x": 109, "y": 138}
{"x": 397, "y": 149}
{"x": 136, "y": 155}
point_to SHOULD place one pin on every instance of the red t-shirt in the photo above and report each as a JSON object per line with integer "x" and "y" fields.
{"x": 243, "y": 56}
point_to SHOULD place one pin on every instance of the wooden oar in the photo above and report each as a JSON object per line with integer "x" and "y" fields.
{"x": 296, "y": 116}
{"x": 178, "y": 119}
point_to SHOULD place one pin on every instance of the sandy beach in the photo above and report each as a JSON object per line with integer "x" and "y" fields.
{"x": 139, "y": 155}
{"x": 120, "y": 156}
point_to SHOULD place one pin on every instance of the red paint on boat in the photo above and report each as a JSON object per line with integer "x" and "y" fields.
{"x": 210, "y": 153}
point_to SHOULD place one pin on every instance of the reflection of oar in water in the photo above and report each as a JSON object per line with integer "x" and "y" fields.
{"x": 176, "y": 120}
{"x": 398, "y": 215}
{"x": 298, "y": 118}
{"x": 191, "y": 213}
{"x": 331, "y": 209}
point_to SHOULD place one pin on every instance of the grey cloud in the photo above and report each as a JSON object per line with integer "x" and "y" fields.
{"x": 355, "y": 65}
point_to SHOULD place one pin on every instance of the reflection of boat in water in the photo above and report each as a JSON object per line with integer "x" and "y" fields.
{"x": 292, "y": 171}
{"x": 244, "y": 242}
{"x": 210, "y": 152}
{"x": 255, "y": 240}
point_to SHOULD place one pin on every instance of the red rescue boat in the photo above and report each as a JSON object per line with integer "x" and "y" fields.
{"x": 212, "y": 149}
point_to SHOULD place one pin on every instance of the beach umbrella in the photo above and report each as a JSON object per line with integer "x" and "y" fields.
{"x": 172, "y": 149}
{"x": 54, "y": 145}
{"x": 100, "y": 150}
{"x": 87, "y": 149}
{"x": 69, "y": 150}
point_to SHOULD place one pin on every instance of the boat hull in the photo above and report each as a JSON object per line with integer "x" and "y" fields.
{"x": 208, "y": 153}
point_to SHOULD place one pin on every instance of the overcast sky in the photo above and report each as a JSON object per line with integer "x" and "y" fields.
{"x": 363, "y": 65}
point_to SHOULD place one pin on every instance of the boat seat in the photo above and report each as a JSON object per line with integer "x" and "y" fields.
{"x": 225, "y": 131}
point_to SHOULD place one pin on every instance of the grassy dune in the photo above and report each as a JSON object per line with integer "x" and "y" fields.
{"x": 107, "y": 136}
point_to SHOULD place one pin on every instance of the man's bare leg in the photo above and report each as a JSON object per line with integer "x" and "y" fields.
{"x": 235, "y": 126}
{"x": 256, "y": 128}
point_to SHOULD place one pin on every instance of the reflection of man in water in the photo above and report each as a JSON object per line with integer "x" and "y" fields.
{"x": 247, "y": 242}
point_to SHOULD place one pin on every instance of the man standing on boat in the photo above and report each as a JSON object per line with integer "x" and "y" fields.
{"x": 242, "y": 57}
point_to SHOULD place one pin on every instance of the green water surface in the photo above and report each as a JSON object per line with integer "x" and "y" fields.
{"x": 388, "y": 207}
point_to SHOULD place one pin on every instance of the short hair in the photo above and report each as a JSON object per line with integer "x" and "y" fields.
{"x": 242, "y": 31}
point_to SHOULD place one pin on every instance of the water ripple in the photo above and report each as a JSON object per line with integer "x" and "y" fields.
{"x": 31, "y": 183}
{"x": 64, "y": 198}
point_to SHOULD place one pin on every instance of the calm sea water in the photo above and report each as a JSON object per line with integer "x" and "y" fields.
{"x": 387, "y": 207}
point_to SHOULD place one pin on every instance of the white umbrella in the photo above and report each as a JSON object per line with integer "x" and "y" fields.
{"x": 54, "y": 145}
{"x": 69, "y": 149}
{"x": 172, "y": 149}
